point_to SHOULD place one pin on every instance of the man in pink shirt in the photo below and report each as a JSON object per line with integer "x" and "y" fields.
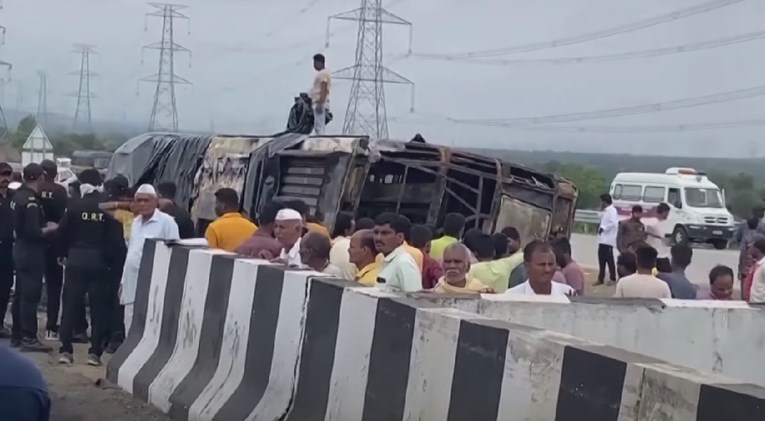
{"x": 263, "y": 238}
{"x": 572, "y": 272}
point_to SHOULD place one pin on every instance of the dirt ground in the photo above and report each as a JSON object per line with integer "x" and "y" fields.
{"x": 79, "y": 393}
{"x": 78, "y": 397}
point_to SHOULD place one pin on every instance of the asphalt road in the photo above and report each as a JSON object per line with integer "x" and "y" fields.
{"x": 585, "y": 250}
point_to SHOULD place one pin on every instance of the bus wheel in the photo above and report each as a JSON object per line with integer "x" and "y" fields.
{"x": 680, "y": 235}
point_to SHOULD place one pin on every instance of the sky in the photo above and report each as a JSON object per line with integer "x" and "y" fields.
{"x": 251, "y": 57}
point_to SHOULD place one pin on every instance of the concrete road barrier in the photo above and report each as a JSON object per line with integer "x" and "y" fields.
{"x": 215, "y": 337}
{"x": 711, "y": 336}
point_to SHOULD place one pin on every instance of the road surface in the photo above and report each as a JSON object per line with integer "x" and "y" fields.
{"x": 78, "y": 393}
{"x": 585, "y": 250}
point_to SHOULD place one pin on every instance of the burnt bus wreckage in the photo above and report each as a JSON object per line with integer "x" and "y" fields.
{"x": 350, "y": 173}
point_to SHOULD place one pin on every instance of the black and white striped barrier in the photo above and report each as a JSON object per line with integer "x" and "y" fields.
{"x": 720, "y": 337}
{"x": 220, "y": 338}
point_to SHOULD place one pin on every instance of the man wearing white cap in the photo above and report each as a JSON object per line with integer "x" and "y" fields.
{"x": 150, "y": 223}
{"x": 288, "y": 229}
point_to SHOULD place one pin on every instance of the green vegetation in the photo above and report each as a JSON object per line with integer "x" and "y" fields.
{"x": 742, "y": 179}
{"x": 65, "y": 143}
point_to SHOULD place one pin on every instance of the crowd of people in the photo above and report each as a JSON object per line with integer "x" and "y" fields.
{"x": 96, "y": 240}
{"x": 90, "y": 245}
{"x": 641, "y": 273}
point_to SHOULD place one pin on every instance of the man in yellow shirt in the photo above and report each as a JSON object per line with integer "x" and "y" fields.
{"x": 456, "y": 279}
{"x": 454, "y": 223}
{"x": 494, "y": 273}
{"x": 231, "y": 228}
{"x": 362, "y": 253}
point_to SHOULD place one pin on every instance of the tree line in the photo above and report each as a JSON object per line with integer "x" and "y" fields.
{"x": 65, "y": 143}
{"x": 742, "y": 193}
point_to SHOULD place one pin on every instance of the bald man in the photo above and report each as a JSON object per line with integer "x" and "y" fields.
{"x": 456, "y": 261}
{"x": 314, "y": 253}
{"x": 363, "y": 253}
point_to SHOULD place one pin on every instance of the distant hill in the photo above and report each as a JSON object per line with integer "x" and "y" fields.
{"x": 611, "y": 164}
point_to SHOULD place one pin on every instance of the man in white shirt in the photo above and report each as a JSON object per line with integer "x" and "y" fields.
{"x": 609, "y": 227}
{"x": 655, "y": 230}
{"x": 322, "y": 82}
{"x": 150, "y": 223}
{"x": 338, "y": 255}
{"x": 288, "y": 229}
{"x": 758, "y": 280}
{"x": 398, "y": 271}
{"x": 314, "y": 253}
{"x": 642, "y": 284}
{"x": 539, "y": 261}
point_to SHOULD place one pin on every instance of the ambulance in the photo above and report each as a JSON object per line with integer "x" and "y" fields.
{"x": 697, "y": 205}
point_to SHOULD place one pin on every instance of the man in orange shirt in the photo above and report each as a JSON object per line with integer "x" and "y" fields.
{"x": 231, "y": 228}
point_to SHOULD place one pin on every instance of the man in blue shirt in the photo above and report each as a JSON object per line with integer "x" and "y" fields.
{"x": 23, "y": 392}
{"x": 679, "y": 284}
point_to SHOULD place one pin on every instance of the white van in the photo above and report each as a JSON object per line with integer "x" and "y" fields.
{"x": 697, "y": 206}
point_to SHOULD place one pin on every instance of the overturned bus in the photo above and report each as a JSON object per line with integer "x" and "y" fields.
{"x": 350, "y": 173}
{"x": 421, "y": 181}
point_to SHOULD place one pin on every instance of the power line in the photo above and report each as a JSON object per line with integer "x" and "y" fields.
{"x": 623, "y": 111}
{"x": 679, "y": 49}
{"x": 679, "y": 128}
{"x": 603, "y": 33}
{"x": 164, "y": 112}
{"x": 290, "y": 21}
{"x": 83, "y": 94}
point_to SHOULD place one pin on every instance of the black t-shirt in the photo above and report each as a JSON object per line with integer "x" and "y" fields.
{"x": 184, "y": 222}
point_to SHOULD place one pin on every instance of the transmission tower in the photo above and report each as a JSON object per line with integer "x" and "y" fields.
{"x": 42, "y": 99}
{"x": 82, "y": 114}
{"x": 164, "y": 112}
{"x": 366, "y": 113}
{"x": 8, "y": 66}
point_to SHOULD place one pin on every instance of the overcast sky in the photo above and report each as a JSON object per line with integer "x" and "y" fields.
{"x": 250, "y": 57}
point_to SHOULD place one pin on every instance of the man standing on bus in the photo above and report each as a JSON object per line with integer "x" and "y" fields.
{"x": 631, "y": 231}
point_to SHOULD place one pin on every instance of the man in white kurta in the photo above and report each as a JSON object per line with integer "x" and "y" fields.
{"x": 150, "y": 223}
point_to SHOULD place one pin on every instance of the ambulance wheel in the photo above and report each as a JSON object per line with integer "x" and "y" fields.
{"x": 680, "y": 235}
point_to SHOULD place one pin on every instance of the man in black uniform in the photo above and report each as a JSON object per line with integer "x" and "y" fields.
{"x": 6, "y": 244}
{"x": 92, "y": 244}
{"x": 29, "y": 258}
{"x": 53, "y": 199}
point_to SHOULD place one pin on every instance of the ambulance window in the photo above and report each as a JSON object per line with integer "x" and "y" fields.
{"x": 653, "y": 194}
{"x": 631, "y": 192}
{"x": 617, "y": 193}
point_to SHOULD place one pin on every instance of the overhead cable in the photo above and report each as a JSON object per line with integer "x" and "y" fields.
{"x": 641, "y": 129}
{"x": 623, "y": 111}
{"x": 287, "y": 23}
{"x": 603, "y": 33}
{"x": 685, "y": 48}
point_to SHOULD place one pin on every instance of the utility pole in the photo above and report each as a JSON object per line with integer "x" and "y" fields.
{"x": 42, "y": 99}
{"x": 9, "y": 66}
{"x": 82, "y": 114}
{"x": 366, "y": 113}
{"x": 164, "y": 112}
